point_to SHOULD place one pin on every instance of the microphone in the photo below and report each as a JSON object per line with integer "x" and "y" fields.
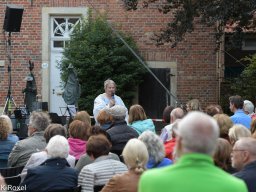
{"x": 112, "y": 95}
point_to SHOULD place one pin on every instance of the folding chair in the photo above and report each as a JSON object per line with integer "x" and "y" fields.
{"x": 11, "y": 171}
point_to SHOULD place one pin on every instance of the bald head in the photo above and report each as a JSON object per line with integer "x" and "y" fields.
{"x": 248, "y": 144}
{"x": 243, "y": 153}
{"x": 176, "y": 113}
{"x": 198, "y": 133}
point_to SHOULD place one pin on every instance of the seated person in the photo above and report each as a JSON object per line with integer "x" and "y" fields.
{"x": 38, "y": 158}
{"x": 135, "y": 157}
{"x": 103, "y": 168}
{"x": 23, "y": 149}
{"x": 7, "y": 139}
{"x": 85, "y": 159}
{"x": 78, "y": 136}
{"x": 120, "y": 133}
{"x": 54, "y": 173}
{"x": 138, "y": 120}
{"x": 156, "y": 150}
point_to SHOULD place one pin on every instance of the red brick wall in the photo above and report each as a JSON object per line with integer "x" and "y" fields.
{"x": 195, "y": 57}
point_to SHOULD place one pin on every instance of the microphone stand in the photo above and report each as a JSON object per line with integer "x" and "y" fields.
{"x": 9, "y": 98}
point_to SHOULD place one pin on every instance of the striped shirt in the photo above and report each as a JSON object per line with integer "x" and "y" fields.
{"x": 99, "y": 172}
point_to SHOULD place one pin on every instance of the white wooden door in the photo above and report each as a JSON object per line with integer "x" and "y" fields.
{"x": 61, "y": 29}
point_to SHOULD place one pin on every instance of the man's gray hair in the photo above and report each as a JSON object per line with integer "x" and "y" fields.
{"x": 39, "y": 120}
{"x": 57, "y": 147}
{"x": 108, "y": 82}
{"x": 199, "y": 133}
{"x": 248, "y": 106}
{"x": 154, "y": 145}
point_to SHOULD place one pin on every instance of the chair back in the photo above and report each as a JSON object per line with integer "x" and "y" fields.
{"x": 11, "y": 171}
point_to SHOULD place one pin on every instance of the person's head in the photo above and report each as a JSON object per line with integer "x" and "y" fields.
{"x": 135, "y": 155}
{"x": 4, "y": 128}
{"x": 222, "y": 154}
{"x": 38, "y": 121}
{"x": 176, "y": 113}
{"x": 109, "y": 87}
{"x": 235, "y": 102}
{"x": 7, "y": 118}
{"x": 98, "y": 145}
{"x": 238, "y": 131}
{"x": 248, "y": 107}
{"x": 154, "y": 146}
{"x": 83, "y": 116}
{"x": 136, "y": 113}
{"x": 213, "y": 110}
{"x": 193, "y": 105}
{"x": 57, "y": 147}
{"x": 79, "y": 130}
{"x": 166, "y": 114}
{"x": 244, "y": 152}
{"x": 197, "y": 133}
{"x": 104, "y": 117}
{"x": 54, "y": 129}
{"x": 118, "y": 112}
{"x": 96, "y": 130}
{"x": 224, "y": 123}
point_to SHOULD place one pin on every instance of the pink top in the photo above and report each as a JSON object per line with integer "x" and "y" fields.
{"x": 77, "y": 147}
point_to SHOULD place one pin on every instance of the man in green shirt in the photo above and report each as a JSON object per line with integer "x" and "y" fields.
{"x": 194, "y": 170}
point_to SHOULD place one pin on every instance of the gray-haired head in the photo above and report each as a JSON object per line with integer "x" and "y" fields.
{"x": 108, "y": 82}
{"x": 198, "y": 133}
{"x": 248, "y": 107}
{"x": 118, "y": 112}
{"x": 39, "y": 120}
{"x": 154, "y": 145}
{"x": 57, "y": 147}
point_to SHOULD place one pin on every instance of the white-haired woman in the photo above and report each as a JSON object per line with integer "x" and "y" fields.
{"x": 54, "y": 173}
{"x": 107, "y": 99}
{"x": 155, "y": 149}
{"x": 135, "y": 156}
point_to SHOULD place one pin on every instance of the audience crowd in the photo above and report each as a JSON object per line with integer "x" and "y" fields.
{"x": 198, "y": 149}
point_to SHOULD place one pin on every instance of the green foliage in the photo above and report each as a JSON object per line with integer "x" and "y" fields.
{"x": 240, "y": 13}
{"x": 245, "y": 84}
{"x": 97, "y": 54}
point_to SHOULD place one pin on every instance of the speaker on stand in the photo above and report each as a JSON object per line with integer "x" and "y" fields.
{"x": 12, "y": 23}
{"x": 13, "y": 18}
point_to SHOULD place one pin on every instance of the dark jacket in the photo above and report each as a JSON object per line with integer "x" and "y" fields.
{"x": 53, "y": 174}
{"x": 119, "y": 134}
{"x": 248, "y": 174}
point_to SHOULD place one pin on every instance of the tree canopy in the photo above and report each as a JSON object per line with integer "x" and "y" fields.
{"x": 244, "y": 85}
{"x": 98, "y": 54}
{"x": 241, "y": 14}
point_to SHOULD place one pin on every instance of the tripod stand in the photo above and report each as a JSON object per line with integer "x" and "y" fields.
{"x": 9, "y": 98}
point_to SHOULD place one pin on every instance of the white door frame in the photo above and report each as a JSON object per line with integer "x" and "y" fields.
{"x": 47, "y": 12}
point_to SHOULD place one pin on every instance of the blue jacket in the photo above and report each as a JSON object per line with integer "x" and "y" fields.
{"x": 6, "y": 148}
{"x": 152, "y": 164}
{"x": 143, "y": 125}
{"x": 241, "y": 118}
{"x": 248, "y": 174}
{"x": 53, "y": 174}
